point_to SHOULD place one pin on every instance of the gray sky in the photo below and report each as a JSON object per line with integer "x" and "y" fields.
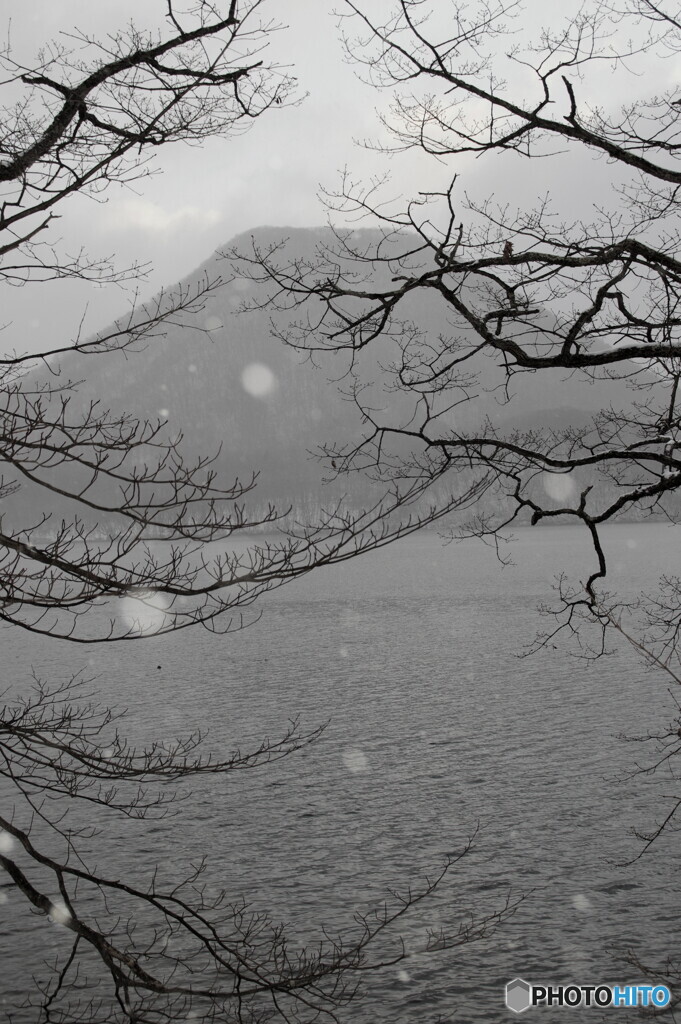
{"x": 203, "y": 196}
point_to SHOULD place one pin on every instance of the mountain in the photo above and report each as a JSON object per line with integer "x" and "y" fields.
{"x": 264, "y": 406}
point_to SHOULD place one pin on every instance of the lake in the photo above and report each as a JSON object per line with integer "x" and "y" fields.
{"x": 435, "y": 725}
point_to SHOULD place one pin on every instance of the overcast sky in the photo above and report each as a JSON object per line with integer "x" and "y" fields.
{"x": 204, "y": 196}
{"x": 271, "y": 175}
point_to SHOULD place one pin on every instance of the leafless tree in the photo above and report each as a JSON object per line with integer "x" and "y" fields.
{"x": 85, "y": 118}
{"x": 160, "y": 950}
{"x": 81, "y": 118}
{"x": 578, "y": 286}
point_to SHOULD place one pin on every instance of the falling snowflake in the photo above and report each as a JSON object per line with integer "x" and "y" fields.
{"x": 355, "y": 760}
{"x": 143, "y": 612}
{"x": 559, "y": 486}
{"x": 59, "y": 913}
{"x": 258, "y": 380}
{"x": 581, "y": 902}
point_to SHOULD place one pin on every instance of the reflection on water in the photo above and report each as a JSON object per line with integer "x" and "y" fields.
{"x": 435, "y": 725}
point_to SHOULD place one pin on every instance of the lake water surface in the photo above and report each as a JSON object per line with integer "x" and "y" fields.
{"x": 435, "y": 725}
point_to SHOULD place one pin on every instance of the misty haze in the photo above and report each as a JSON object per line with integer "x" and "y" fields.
{"x": 340, "y": 598}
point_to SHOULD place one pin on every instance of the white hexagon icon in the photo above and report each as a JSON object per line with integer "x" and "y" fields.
{"x": 518, "y": 995}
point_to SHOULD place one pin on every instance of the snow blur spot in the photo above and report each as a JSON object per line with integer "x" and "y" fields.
{"x": 213, "y": 323}
{"x": 59, "y": 913}
{"x": 164, "y": 387}
{"x": 355, "y": 760}
{"x": 403, "y": 976}
{"x": 6, "y": 842}
{"x": 258, "y": 380}
{"x": 144, "y": 613}
{"x": 343, "y": 652}
{"x": 241, "y": 285}
{"x": 192, "y": 367}
{"x": 3, "y": 898}
{"x": 315, "y": 414}
{"x": 163, "y": 412}
{"x": 108, "y": 752}
{"x": 631, "y": 543}
{"x": 559, "y": 486}
{"x": 581, "y": 902}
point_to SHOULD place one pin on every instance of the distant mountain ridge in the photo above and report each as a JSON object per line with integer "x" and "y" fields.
{"x": 264, "y": 406}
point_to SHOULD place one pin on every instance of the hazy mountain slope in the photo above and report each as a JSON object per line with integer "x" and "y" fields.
{"x": 265, "y": 406}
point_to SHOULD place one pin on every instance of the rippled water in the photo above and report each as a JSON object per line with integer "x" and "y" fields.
{"x": 435, "y": 725}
